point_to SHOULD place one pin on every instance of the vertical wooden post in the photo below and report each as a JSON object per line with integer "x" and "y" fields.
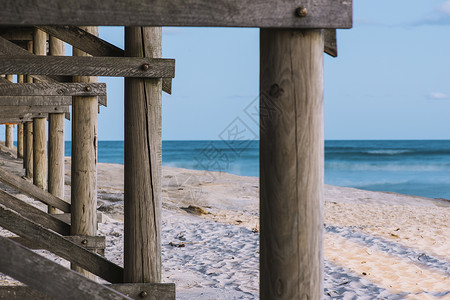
{"x": 9, "y": 128}
{"x": 56, "y": 140}
{"x": 142, "y": 194}
{"x": 84, "y": 159}
{"x": 39, "y": 124}
{"x": 9, "y": 136}
{"x": 27, "y": 135}
{"x": 20, "y": 129}
{"x": 291, "y": 164}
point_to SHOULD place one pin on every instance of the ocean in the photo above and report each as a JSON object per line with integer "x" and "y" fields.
{"x": 414, "y": 167}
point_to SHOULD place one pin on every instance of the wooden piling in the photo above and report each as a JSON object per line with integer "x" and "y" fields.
{"x": 56, "y": 140}
{"x": 39, "y": 124}
{"x": 9, "y": 128}
{"x": 142, "y": 194}
{"x": 84, "y": 159}
{"x": 28, "y": 136}
{"x": 20, "y": 129}
{"x": 291, "y": 164}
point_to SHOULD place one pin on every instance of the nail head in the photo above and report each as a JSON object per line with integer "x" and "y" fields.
{"x": 301, "y": 12}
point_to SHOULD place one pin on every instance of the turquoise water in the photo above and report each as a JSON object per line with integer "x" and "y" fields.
{"x": 409, "y": 167}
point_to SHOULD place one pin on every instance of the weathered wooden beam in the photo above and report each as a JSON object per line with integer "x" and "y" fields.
{"x": 50, "y": 277}
{"x": 92, "y": 45}
{"x": 291, "y": 164}
{"x": 14, "y": 120}
{"x": 87, "y": 242}
{"x": 330, "y": 42}
{"x": 60, "y": 246}
{"x": 29, "y": 109}
{"x": 41, "y": 100}
{"x": 89, "y": 66}
{"x": 28, "y": 155}
{"x": 27, "y": 116}
{"x": 17, "y": 33}
{"x": 34, "y": 214}
{"x": 33, "y": 191}
{"x": 154, "y": 291}
{"x": 204, "y": 13}
{"x": 53, "y": 89}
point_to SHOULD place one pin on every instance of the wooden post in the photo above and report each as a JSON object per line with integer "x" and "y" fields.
{"x": 56, "y": 140}
{"x": 84, "y": 159}
{"x": 28, "y": 136}
{"x": 20, "y": 129}
{"x": 39, "y": 124}
{"x": 291, "y": 164}
{"x": 9, "y": 128}
{"x": 142, "y": 194}
{"x": 9, "y": 136}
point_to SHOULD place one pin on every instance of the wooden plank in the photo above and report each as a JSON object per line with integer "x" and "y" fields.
{"x": 60, "y": 246}
{"x": 34, "y": 214}
{"x": 29, "y": 109}
{"x": 88, "y": 242}
{"x": 89, "y": 66}
{"x": 92, "y": 45}
{"x": 142, "y": 186}
{"x": 48, "y": 276}
{"x": 204, "y": 13}
{"x": 33, "y": 191}
{"x": 17, "y": 33}
{"x": 291, "y": 164}
{"x": 41, "y": 100}
{"x": 14, "y": 120}
{"x": 154, "y": 291}
{"x": 53, "y": 89}
{"x": 330, "y": 42}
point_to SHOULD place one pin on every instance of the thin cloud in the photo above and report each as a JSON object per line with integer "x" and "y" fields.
{"x": 438, "y": 96}
{"x": 440, "y": 16}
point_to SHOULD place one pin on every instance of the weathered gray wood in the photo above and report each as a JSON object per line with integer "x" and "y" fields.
{"x": 330, "y": 42}
{"x": 60, "y": 246}
{"x": 88, "y": 66}
{"x": 56, "y": 155}
{"x": 34, "y": 214}
{"x": 53, "y": 89}
{"x": 3, "y": 80}
{"x": 92, "y": 45}
{"x": 31, "y": 190}
{"x": 155, "y": 291}
{"x": 50, "y": 277}
{"x": 84, "y": 160}
{"x": 19, "y": 140}
{"x": 17, "y": 33}
{"x": 291, "y": 164}
{"x": 30, "y": 110}
{"x": 13, "y": 120}
{"x": 9, "y": 136}
{"x": 142, "y": 192}
{"x": 42, "y": 100}
{"x": 65, "y": 217}
{"x": 87, "y": 242}
{"x": 28, "y": 157}
{"x": 230, "y": 13}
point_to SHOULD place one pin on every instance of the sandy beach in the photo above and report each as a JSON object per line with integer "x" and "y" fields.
{"x": 377, "y": 245}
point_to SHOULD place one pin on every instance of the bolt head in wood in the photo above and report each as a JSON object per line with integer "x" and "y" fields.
{"x": 143, "y": 294}
{"x": 145, "y": 67}
{"x": 84, "y": 242}
{"x": 88, "y": 89}
{"x": 301, "y": 12}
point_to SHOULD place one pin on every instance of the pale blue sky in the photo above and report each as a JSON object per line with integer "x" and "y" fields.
{"x": 391, "y": 79}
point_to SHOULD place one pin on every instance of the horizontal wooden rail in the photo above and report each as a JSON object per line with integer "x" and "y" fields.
{"x": 42, "y": 100}
{"x": 34, "y": 214}
{"x": 53, "y": 89}
{"x": 88, "y": 66}
{"x": 49, "y": 277}
{"x": 203, "y": 13}
{"x": 33, "y": 191}
{"x": 60, "y": 246}
{"x": 88, "y": 242}
{"x": 25, "y": 116}
{"x": 31, "y": 109}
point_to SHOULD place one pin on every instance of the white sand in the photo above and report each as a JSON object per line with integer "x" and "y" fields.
{"x": 377, "y": 245}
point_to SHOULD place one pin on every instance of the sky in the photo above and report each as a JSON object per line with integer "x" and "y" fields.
{"x": 391, "y": 79}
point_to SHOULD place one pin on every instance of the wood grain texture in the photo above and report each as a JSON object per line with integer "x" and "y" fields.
{"x": 30, "y": 110}
{"x": 40, "y": 152}
{"x": 34, "y": 214}
{"x": 50, "y": 277}
{"x": 31, "y": 190}
{"x": 17, "y": 33}
{"x": 204, "y": 13}
{"x": 53, "y": 89}
{"x": 88, "y": 66}
{"x": 15, "y": 120}
{"x": 9, "y": 138}
{"x": 330, "y": 42}
{"x": 142, "y": 191}
{"x": 60, "y": 246}
{"x": 19, "y": 140}
{"x": 155, "y": 291}
{"x": 28, "y": 155}
{"x": 291, "y": 164}
{"x": 92, "y": 45}
{"x": 88, "y": 242}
